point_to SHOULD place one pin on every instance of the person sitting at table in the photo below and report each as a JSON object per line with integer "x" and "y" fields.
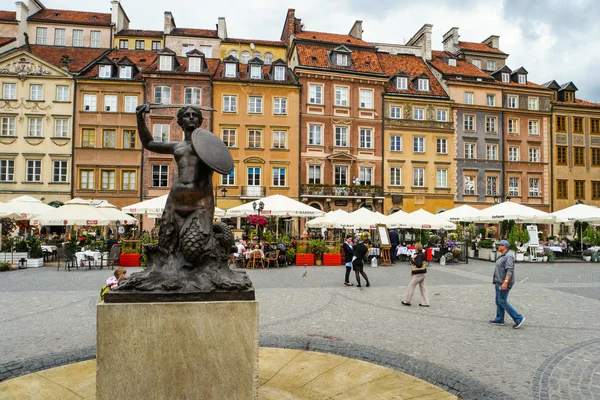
{"x": 563, "y": 246}
{"x": 240, "y": 248}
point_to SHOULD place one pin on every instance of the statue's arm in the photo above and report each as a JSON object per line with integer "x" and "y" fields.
{"x": 146, "y": 137}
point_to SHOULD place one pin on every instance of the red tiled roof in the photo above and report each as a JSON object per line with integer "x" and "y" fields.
{"x": 142, "y": 59}
{"x": 276, "y": 43}
{"x": 474, "y": 46}
{"x": 577, "y": 103}
{"x": 413, "y": 66}
{"x": 79, "y": 57}
{"x": 72, "y": 17}
{"x": 139, "y": 32}
{"x": 8, "y": 16}
{"x": 529, "y": 85}
{"x": 207, "y": 33}
{"x": 317, "y": 56}
{"x": 6, "y": 40}
{"x": 212, "y": 64}
{"x": 463, "y": 68}
{"x": 243, "y": 75}
{"x": 331, "y": 38}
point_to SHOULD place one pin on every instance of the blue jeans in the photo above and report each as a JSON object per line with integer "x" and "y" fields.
{"x": 502, "y": 305}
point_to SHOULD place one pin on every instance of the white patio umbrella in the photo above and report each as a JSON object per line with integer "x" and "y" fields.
{"x": 363, "y": 218}
{"x": 333, "y": 219}
{"x": 276, "y": 205}
{"x": 27, "y": 207}
{"x": 460, "y": 213}
{"x": 116, "y": 215}
{"x": 155, "y": 207}
{"x": 74, "y": 212}
{"x": 422, "y": 219}
{"x": 397, "y": 220}
{"x": 515, "y": 211}
{"x": 578, "y": 212}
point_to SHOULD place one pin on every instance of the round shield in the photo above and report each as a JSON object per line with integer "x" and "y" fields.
{"x": 212, "y": 151}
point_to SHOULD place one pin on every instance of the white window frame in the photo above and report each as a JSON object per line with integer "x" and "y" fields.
{"x": 514, "y": 154}
{"x": 41, "y": 35}
{"x": 9, "y": 91}
{"x": 341, "y": 96}
{"x": 60, "y": 166}
{"x": 423, "y": 85}
{"x": 315, "y": 135}
{"x": 33, "y": 172}
{"x": 340, "y": 171}
{"x": 230, "y": 70}
{"x": 315, "y": 94}
{"x": 395, "y": 176}
{"x": 63, "y": 93}
{"x": 534, "y": 189}
{"x": 491, "y": 124}
{"x": 162, "y": 171}
{"x": 186, "y": 48}
{"x": 192, "y": 96}
{"x": 77, "y": 38}
{"x": 476, "y": 63}
{"x": 95, "y": 41}
{"x": 128, "y": 180}
{"x": 365, "y": 176}
{"x": 165, "y": 63}
{"x": 105, "y": 71}
{"x": 491, "y": 65}
{"x": 279, "y": 74}
{"x": 7, "y": 170}
{"x": 108, "y": 179}
{"x": 229, "y": 103}
{"x": 195, "y": 64}
{"x": 512, "y": 101}
{"x": 419, "y": 177}
{"x": 522, "y": 79}
{"x": 268, "y": 59}
{"x": 342, "y": 59}
{"x": 470, "y": 192}
{"x": 341, "y": 136}
{"x": 492, "y": 152}
{"x": 491, "y": 186}
{"x": 278, "y": 135}
{"x": 228, "y": 180}
{"x": 229, "y": 137}
{"x": 533, "y": 103}
{"x": 366, "y": 99}
{"x": 534, "y": 154}
{"x": 365, "y": 138}
{"x": 468, "y": 123}
{"x": 280, "y": 105}
{"x": 60, "y": 35}
{"x": 131, "y": 103}
{"x": 442, "y": 115}
{"x": 206, "y": 50}
{"x": 396, "y": 112}
{"x": 402, "y": 83}
{"x": 61, "y": 127}
{"x": 394, "y": 142}
{"x": 253, "y": 135}
{"x": 505, "y": 77}
{"x": 255, "y": 104}
{"x": 419, "y": 114}
{"x": 245, "y": 57}
{"x": 533, "y": 127}
{"x": 110, "y": 103}
{"x": 86, "y": 179}
{"x": 125, "y": 72}
{"x": 470, "y": 151}
{"x": 313, "y": 171}
{"x": 278, "y": 175}
{"x": 441, "y": 178}
{"x": 469, "y": 96}
{"x": 254, "y": 178}
{"x": 35, "y": 127}
{"x": 161, "y": 132}
{"x": 441, "y": 145}
{"x": 255, "y": 71}
{"x": 513, "y": 186}
{"x": 36, "y": 92}
{"x": 9, "y": 126}
{"x": 162, "y": 94}
{"x": 491, "y": 97}
{"x": 419, "y": 144}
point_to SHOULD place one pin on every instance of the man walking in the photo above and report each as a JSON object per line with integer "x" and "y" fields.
{"x": 504, "y": 279}
{"x": 394, "y": 241}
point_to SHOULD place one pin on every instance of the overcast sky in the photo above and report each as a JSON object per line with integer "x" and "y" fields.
{"x": 552, "y": 39}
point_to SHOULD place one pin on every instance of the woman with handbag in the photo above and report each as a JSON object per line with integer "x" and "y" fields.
{"x": 360, "y": 252}
{"x": 419, "y": 273}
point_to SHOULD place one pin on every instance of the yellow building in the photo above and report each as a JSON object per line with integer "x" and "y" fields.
{"x": 138, "y": 39}
{"x": 257, "y": 119}
{"x": 245, "y": 49}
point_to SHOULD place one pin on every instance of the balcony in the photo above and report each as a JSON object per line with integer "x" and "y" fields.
{"x": 253, "y": 192}
{"x": 346, "y": 191}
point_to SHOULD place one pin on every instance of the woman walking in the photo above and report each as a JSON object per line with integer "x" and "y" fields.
{"x": 419, "y": 273}
{"x": 348, "y": 254}
{"x": 360, "y": 252}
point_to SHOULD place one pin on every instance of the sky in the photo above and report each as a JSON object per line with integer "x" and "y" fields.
{"x": 553, "y": 39}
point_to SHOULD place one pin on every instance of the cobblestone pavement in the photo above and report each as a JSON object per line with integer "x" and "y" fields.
{"x": 47, "y": 318}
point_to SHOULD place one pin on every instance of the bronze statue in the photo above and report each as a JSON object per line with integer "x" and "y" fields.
{"x": 193, "y": 251}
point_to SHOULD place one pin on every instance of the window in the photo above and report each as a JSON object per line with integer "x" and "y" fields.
{"x": 314, "y": 174}
{"x": 40, "y": 35}
{"x": 128, "y": 180}
{"x": 280, "y": 105}
{"x": 513, "y": 186}
{"x": 36, "y": 92}
{"x": 569, "y": 97}
{"x": 532, "y": 103}
{"x": 59, "y": 37}
{"x": 470, "y": 185}
{"x": 561, "y": 155}
{"x": 235, "y": 54}
{"x": 534, "y": 154}
{"x": 595, "y": 157}
{"x": 139, "y": 45}
{"x": 423, "y": 85}
{"x": 108, "y": 179}
{"x": 95, "y": 40}
{"x": 279, "y": 73}
{"x": 34, "y": 171}
{"x": 7, "y": 170}
{"x": 534, "y": 187}
{"x": 490, "y": 124}
{"x": 59, "y": 171}
{"x": 419, "y": 145}
{"x": 161, "y": 132}
{"x": 245, "y": 57}
{"x": 419, "y": 177}
{"x": 579, "y": 155}
{"x": 490, "y": 100}
{"x": 206, "y": 50}
{"x": 125, "y": 72}
{"x": 130, "y": 104}
{"x": 9, "y": 91}
{"x": 442, "y": 145}
{"x": 35, "y": 127}
{"x": 155, "y": 45}
{"x": 561, "y": 189}
{"x": 505, "y": 77}
{"x": 522, "y": 79}
{"x": 595, "y": 125}
{"x": 396, "y": 112}
{"x": 86, "y": 179}
{"x": 108, "y": 138}
{"x": 341, "y": 96}
{"x": 452, "y": 62}
{"x": 123, "y": 44}
{"x": 595, "y": 190}
{"x": 579, "y": 189}
{"x": 561, "y": 123}
{"x": 230, "y": 70}
{"x": 192, "y": 96}
{"x": 534, "y": 127}
{"x": 365, "y": 138}
{"x": 160, "y": 175}
{"x": 340, "y": 175}
{"x": 105, "y": 71}
{"x": 395, "y": 176}
{"x": 61, "y": 127}
{"x": 513, "y": 153}
{"x": 110, "y": 103}
{"x": 341, "y": 59}
{"x": 229, "y": 137}
{"x": 255, "y": 139}
{"x": 229, "y": 103}
{"x": 129, "y": 139}
{"x": 477, "y": 63}
{"x": 8, "y": 126}
{"x": 166, "y": 63}
{"x": 89, "y": 102}
{"x": 366, "y": 98}
{"x": 365, "y": 176}
{"x": 469, "y": 122}
{"x": 88, "y": 137}
{"x": 578, "y": 124}
{"x": 441, "y": 178}
{"x": 442, "y": 115}
{"x": 162, "y": 94}
{"x": 278, "y": 176}
{"x": 255, "y": 105}
{"x": 254, "y": 176}
{"x": 186, "y": 48}
{"x": 255, "y": 72}
{"x": 396, "y": 143}
{"x": 315, "y": 94}
{"x": 468, "y": 98}
{"x": 470, "y": 150}
{"x": 315, "y": 135}
{"x": 279, "y": 139}
{"x": 78, "y": 38}
{"x": 419, "y": 113}
{"x": 269, "y": 61}
{"x": 341, "y": 136}
{"x": 491, "y": 65}
{"x": 513, "y": 126}
{"x": 513, "y": 101}
{"x": 62, "y": 93}
{"x": 492, "y": 151}
{"x": 402, "y": 83}
{"x": 228, "y": 180}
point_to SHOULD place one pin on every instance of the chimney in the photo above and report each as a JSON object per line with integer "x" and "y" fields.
{"x": 289, "y": 25}
{"x": 169, "y": 23}
{"x": 357, "y": 30}
{"x": 450, "y": 41}
{"x": 222, "y": 28}
{"x": 64, "y": 62}
{"x": 119, "y": 17}
{"x": 422, "y": 39}
{"x": 493, "y": 41}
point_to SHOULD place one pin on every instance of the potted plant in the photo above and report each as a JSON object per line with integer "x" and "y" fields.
{"x": 485, "y": 249}
{"x": 35, "y": 258}
{"x": 302, "y": 258}
{"x": 331, "y": 258}
{"x": 130, "y": 256}
{"x": 587, "y": 255}
{"x": 317, "y": 247}
{"x": 145, "y": 239}
{"x": 546, "y": 255}
{"x": 290, "y": 256}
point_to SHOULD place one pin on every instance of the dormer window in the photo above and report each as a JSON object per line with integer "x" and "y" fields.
{"x": 423, "y": 85}
{"x": 505, "y": 77}
{"x": 522, "y": 79}
{"x": 125, "y": 72}
{"x": 105, "y": 71}
{"x": 166, "y": 63}
{"x": 230, "y": 71}
{"x": 195, "y": 64}
{"x": 279, "y": 74}
{"x": 341, "y": 59}
{"x": 452, "y": 62}
{"x": 569, "y": 97}
{"x": 402, "y": 83}
{"x": 255, "y": 72}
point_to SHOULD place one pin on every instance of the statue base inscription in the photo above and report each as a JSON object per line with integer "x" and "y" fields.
{"x": 196, "y": 350}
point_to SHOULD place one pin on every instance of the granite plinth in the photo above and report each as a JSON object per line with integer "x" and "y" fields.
{"x": 176, "y": 297}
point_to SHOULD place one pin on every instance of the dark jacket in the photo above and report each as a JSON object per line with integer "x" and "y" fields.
{"x": 360, "y": 251}
{"x": 348, "y": 253}
{"x": 418, "y": 261}
{"x": 394, "y": 238}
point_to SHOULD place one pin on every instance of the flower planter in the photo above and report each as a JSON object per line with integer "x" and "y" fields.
{"x": 35, "y": 262}
{"x": 305, "y": 259}
{"x": 471, "y": 253}
{"x": 587, "y": 258}
{"x": 485, "y": 254}
{"x": 318, "y": 262}
{"x": 129, "y": 260}
{"x": 332, "y": 259}
{"x": 493, "y": 256}
{"x": 12, "y": 257}
{"x": 545, "y": 259}
{"x": 520, "y": 257}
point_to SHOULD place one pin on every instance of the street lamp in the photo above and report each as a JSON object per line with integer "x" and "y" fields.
{"x": 373, "y": 204}
{"x": 118, "y": 225}
{"x": 223, "y": 194}
{"x": 258, "y": 208}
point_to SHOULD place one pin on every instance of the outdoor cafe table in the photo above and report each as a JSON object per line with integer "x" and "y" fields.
{"x": 49, "y": 251}
{"x": 84, "y": 256}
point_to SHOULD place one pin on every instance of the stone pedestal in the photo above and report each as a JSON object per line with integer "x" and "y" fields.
{"x": 194, "y": 350}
